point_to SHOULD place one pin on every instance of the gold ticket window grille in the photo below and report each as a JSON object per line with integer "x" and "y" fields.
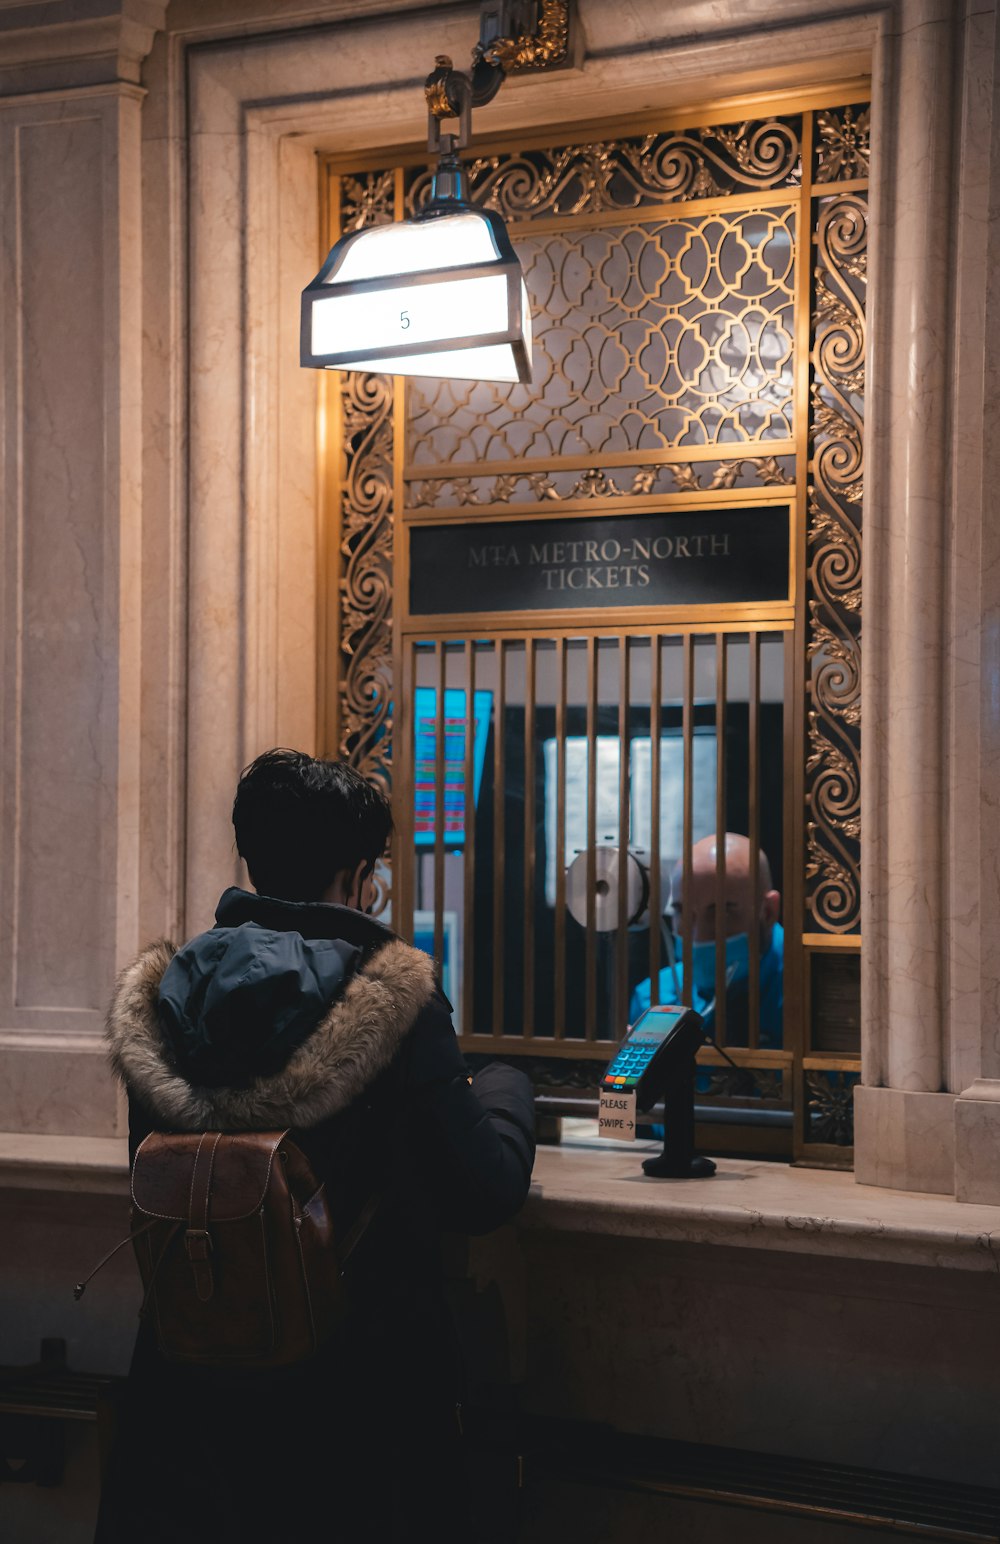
{"x": 697, "y": 289}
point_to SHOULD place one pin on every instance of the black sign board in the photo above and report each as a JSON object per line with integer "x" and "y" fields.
{"x": 703, "y": 557}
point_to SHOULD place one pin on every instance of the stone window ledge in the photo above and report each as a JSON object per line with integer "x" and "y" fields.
{"x": 92, "y": 1165}
{"x": 598, "y": 1187}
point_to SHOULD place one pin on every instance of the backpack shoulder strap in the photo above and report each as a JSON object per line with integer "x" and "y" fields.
{"x": 197, "y": 1239}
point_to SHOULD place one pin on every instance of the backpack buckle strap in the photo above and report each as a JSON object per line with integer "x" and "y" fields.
{"x": 197, "y": 1239}
{"x": 198, "y": 1248}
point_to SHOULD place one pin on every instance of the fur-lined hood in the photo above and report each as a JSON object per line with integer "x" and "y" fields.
{"x": 354, "y": 1042}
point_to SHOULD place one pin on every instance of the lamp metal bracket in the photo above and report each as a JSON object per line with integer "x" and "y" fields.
{"x": 514, "y": 36}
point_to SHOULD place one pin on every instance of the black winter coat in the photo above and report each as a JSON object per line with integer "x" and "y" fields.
{"x": 317, "y": 1018}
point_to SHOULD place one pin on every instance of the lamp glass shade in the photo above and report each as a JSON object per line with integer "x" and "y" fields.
{"x": 439, "y": 295}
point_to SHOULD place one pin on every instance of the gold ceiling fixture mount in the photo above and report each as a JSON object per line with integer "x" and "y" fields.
{"x": 514, "y": 36}
{"x": 545, "y": 47}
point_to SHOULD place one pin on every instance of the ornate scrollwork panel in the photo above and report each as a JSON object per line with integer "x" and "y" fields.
{"x": 741, "y": 1084}
{"x": 365, "y": 495}
{"x": 833, "y": 781}
{"x": 650, "y": 337}
{"x": 366, "y": 579}
{"x": 621, "y": 175}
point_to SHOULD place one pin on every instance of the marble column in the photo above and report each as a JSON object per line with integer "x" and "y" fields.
{"x": 70, "y": 390}
{"x": 976, "y": 1052}
{"x": 924, "y": 979}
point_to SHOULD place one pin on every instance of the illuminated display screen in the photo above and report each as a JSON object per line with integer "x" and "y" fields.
{"x": 655, "y": 1025}
{"x": 425, "y": 780}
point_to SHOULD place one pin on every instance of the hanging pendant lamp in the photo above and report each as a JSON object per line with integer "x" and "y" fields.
{"x": 441, "y": 294}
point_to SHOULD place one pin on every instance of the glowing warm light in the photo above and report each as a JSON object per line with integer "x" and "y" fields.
{"x": 438, "y": 295}
{"x": 448, "y": 241}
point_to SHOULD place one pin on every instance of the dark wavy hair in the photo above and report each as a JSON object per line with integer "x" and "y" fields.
{"x": 300, "y": 822}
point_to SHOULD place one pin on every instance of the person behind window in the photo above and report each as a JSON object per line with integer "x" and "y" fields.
{"x": 298, "y": 1010}
{"x": 696, "y": 915}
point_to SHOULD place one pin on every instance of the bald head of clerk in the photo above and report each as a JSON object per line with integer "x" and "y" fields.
{"x": 749, "y": 904}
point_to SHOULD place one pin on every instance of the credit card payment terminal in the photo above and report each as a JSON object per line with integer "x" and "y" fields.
{"x": 660, "y": 1040}
{"x": 657, "y": 1060}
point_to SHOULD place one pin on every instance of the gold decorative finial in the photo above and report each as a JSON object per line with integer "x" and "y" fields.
{"x": 436, "y": 88}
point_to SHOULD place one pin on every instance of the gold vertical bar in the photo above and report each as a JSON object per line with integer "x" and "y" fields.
{"x": 331, "y": 459}
{"x": 624, "y": 774}
{"x": 440, "y": 806}
{"x": 403, "y": 795}
{"x": 687, "y": 719}
{"x": 795, "y": 1024}
{"x": 795, "y": 1008}
{"x": 753, "y": 804}
{"x": 720, "y": 837}
{"x": 655, "y": 816}
{"x": 403, "y": 801}
{"x": 498, "y": 824}
{"x": 559, "y": 1005}
{"x": 590, "y": 976}
{"x": 528, "y": 1006}
{"x": 469, "y": 844}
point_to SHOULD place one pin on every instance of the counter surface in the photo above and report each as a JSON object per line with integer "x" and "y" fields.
{"x": 591, "y": 1186}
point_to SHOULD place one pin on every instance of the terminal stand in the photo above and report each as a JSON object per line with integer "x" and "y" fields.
{"x": 678, "y": 1159}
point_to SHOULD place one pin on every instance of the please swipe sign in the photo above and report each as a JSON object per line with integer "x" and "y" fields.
{"x": 616, "y": 1118}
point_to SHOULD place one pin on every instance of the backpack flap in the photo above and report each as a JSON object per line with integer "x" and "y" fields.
{"x": 163, "y": 1173}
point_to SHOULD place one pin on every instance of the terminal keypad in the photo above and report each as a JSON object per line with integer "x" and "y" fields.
{"x": 629, "y": 1065}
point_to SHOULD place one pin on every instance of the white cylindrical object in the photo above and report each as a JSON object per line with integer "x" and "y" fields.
{"x": 606, "y": 880}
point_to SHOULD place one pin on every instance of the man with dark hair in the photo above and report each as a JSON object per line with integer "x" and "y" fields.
{"x": 309, "y": 830}
{"x": 299, "y": 1010}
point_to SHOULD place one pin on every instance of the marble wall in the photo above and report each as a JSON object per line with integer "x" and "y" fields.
{"x": 158, "y": 212}
{"x": 69, "y": 805}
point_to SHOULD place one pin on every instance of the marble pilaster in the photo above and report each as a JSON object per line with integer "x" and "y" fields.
{"x": 70, "y": 372}
{"x": 929, "y": 964}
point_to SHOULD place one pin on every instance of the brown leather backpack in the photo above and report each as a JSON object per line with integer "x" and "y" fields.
{"x": 235, "y": 1244}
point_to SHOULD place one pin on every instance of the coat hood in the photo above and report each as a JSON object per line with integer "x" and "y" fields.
{"x": 236, "y": 1002}
{"x": 174, "y": 1011}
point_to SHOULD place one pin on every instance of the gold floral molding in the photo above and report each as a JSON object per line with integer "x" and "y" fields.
{"x": 538, "y": 50}
{"x": 601, "y": 483}
{"x": 843, "y": 144}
